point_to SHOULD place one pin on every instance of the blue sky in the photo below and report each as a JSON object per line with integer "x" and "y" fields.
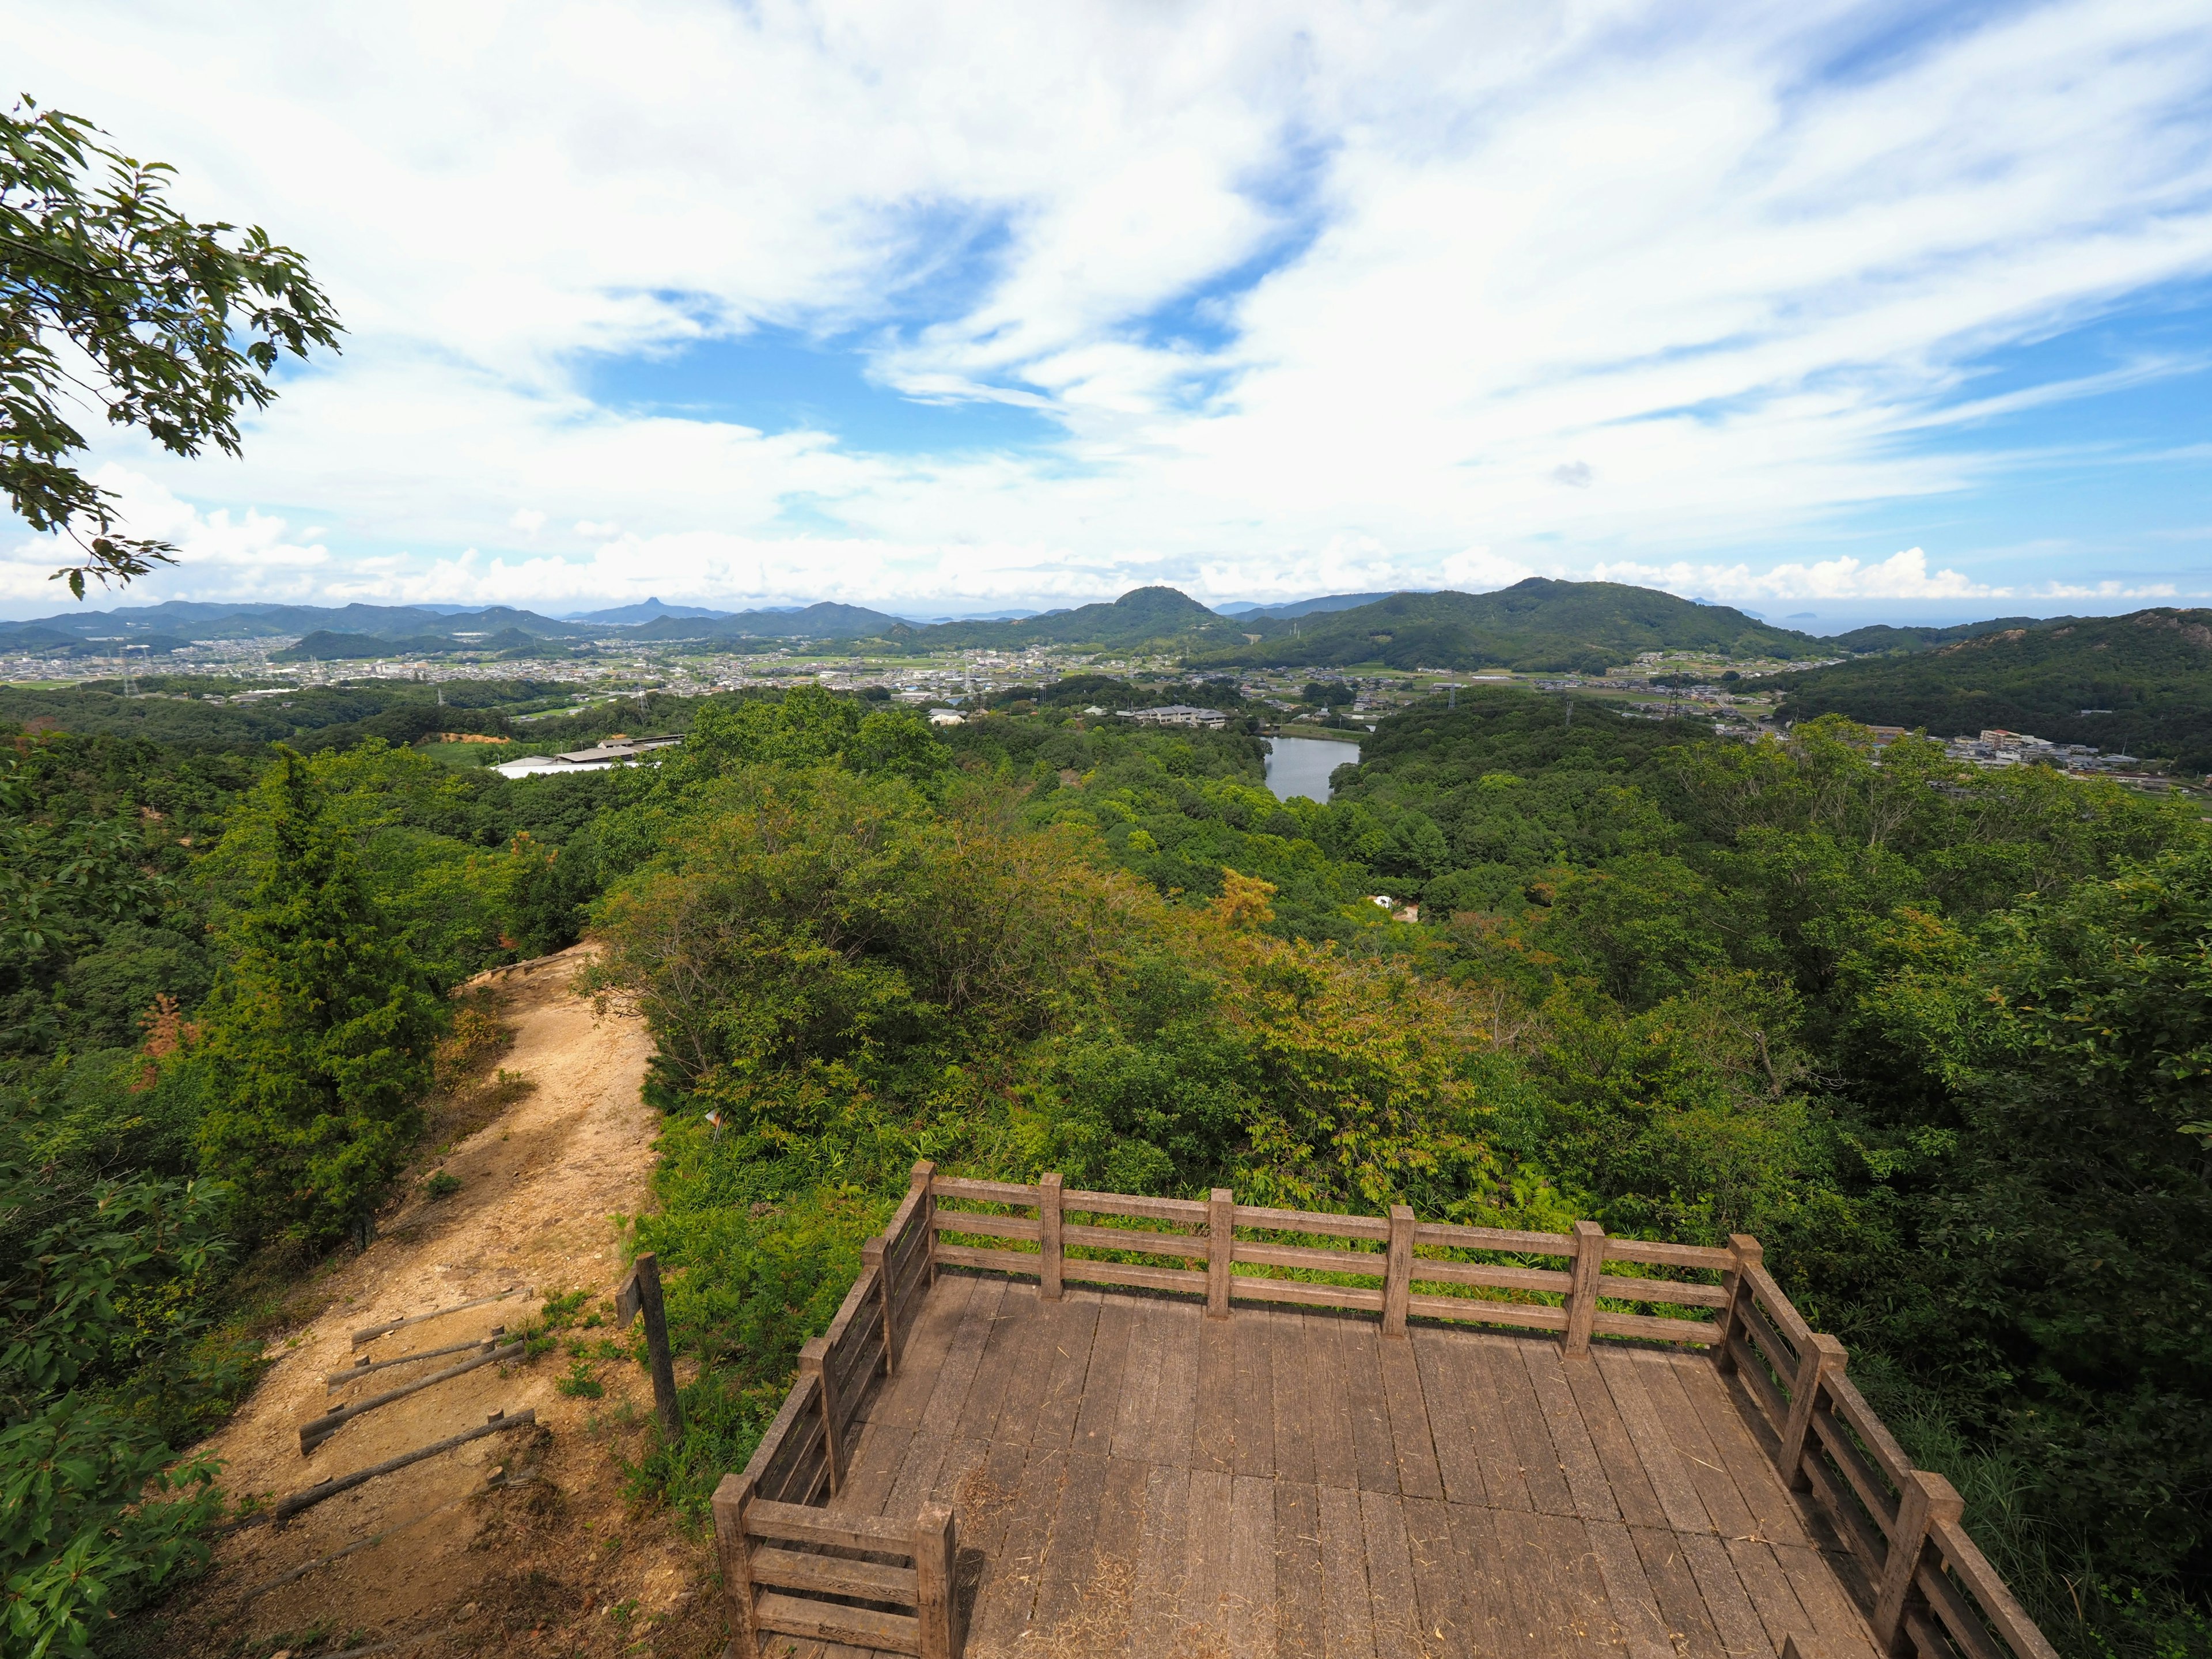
{"x": 1834, "y": 310}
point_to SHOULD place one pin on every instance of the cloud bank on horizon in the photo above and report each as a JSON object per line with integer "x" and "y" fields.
{"x": 881, "y": 303}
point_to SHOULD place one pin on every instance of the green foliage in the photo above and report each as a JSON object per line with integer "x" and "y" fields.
{"x": 2145, "y": 672}
{"x": 179, "y": 327}
{"x": 317, "y": 1039}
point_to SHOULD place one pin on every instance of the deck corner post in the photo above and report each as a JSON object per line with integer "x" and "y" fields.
{"x": 1398, "y": 1283}
{"x": 735, "y": 1552}
{"x": 1745, "y": 1253}
{"x": 1923, "y": 1499}
{"x": 1824, "y": 1356}
{"x": 936, "y": 1548}
{"x": 1220, "y": 1241}
{"x": 925, "y": 1217}
{"x": 813, "y": 1361}
{"x": 872, "y": 1258}
{"x": 1581, "y": 1299}
{"x": 1049, "y": 1189}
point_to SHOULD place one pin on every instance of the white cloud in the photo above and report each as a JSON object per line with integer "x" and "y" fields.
{"x": 1667, "y": 264}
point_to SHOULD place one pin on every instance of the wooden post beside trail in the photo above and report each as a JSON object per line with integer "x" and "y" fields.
{"x": 1822, "y": 1356}
{"x": 1220, "y": 1240}
{"x": 1747, "y": 1253}
{"x": 640, "y": 1294}
{"x": 734, "y": 1550}
{"x": 1923, "y": 1499}
{"x": 937, "y": 1606}
{"x": 1048, "y": 1251}
{"x": 1398, "y": 1282}
{"x": 1582, "y": 1299}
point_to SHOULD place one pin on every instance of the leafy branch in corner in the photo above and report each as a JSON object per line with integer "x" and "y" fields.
{"x": 108, "y": 295}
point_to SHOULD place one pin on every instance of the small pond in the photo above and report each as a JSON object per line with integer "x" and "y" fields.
{"x": 1301, "y": 766}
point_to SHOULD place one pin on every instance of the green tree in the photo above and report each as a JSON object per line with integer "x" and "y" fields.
{"x": 318, "y": 1032}
{"x": 179, "y": 324}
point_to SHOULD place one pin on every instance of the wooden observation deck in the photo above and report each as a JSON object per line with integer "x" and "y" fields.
{"x": 1067, "y": 1450}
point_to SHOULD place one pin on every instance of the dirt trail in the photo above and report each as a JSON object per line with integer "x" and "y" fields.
{"x": 517, "y": 1542}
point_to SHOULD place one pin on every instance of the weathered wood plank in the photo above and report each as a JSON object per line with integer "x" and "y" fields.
{"x": 1584, "y": 1613}
{"x": 1587, "y": 1486}
{"x": 1412, "y": 1437}
{"x": 1837, "y": 1623}
{"x": 1530, "y": 1436}
{"x": 832, "y": 1574}
{"x": 1469, "y": 1375}
{"x": 1781, "y": 1615}
{"x": 1496, "y": 1621}
{"x": 1773, "y": 1513}
{"x": 1636, "y": 1615}
{"x": 1670, "y": 1482}
{"x": 1347, "y": 1616}
{"x": 863, "y": 1627}
{"x": 1288, "y": 1370}
{"x": 1101, "y": 1407}
{"x": 1136, "y": 1408}
{"x": 1328, "y": 1393}
{"x": 1174, "y": 1408}
{"x": 1248, "y": 1608}
{"x": 1439, "y": 1580}
{"x": 1702, "y": 1461}
{"x": 929, "y": 1346}
{"x": 1300, "y": 1619}
{"x": 1394, "y": 1604}
{"x": 1458, "y": 1463}
{"x": 1113, "y": 1584}
{"x": 1003, "y": 1344}
{"x": 1201, "y": 1614}
{"x": 1070, "y": 1556}
{"x": 1743, "y": 1633}
{"x": 1074, "y": 1325}
{"x": 1625, "y": 1480}
{"x": 874, "y": 1468}
{"x": 1162, "y": 1558}
{"x": 1680, "y": 1603}
{"x": 1374, "y": 1459}
{"x": 1253, "y": 1426}
{"x": 1213, "y": 1423}
{"x": 1007, "y": 1599}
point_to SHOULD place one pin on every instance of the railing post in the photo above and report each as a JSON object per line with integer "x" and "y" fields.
{"x": 1823, "y": 1356}
{"x": 734, "y": 1550}
{"x": 1923, "y": 1500}
{"x": 1582, "y": 1299}
{"x": 872, "y": 1255}
{"x": 1398, "y": 1282}
{"x": 925, "y": 1217}
{"x": 813, "y": 1362}
{"x": 936, "y": 1546}
{"x": 1220, "y": 1238}
{"x": 1048, "y": 1258}
{"x": 1747, "y": 1253}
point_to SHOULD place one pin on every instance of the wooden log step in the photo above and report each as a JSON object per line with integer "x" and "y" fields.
{"x": 314, "y": 1431}
{"x": 333, "y": 1381}
{"x": 497, "y": 1422}
{"x": 368, "y": 1333}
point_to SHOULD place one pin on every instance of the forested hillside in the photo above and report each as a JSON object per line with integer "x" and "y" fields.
{"x": 1936, "y": 1035}
{"x": 1537, "y": 625}
{"x": 2140, "y": 684}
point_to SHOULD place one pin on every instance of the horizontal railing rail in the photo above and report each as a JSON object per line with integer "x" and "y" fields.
{"x": 1934, "y": 1595}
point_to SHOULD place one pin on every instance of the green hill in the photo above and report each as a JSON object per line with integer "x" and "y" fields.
{"x": 2152, "y": 670}
{"x": 1537, "y": 626}
{"x": 1138, "y": 617}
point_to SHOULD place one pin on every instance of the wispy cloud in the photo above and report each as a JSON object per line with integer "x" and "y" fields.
{"x": 1596, "y": 287}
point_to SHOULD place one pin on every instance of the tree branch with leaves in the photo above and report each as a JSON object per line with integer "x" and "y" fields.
{"x": 109, "y": 298}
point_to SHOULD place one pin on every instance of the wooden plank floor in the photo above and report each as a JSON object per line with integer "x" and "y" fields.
{"x": 1131, "y": 1478}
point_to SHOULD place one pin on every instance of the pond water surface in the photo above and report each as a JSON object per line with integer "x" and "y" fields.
{"x": 1301, "y": 766}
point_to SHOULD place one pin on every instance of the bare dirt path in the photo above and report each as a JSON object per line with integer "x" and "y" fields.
{"x": 518, "y": 1542}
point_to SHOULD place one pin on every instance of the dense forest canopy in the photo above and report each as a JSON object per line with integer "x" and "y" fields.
{"x": 1938, "y": 1035}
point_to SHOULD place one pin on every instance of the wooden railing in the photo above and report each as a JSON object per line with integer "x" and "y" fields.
{"x": 790, "y": 1568}
{"x": 883, "y": 1585}
{"x": 1934, "y": 1594}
